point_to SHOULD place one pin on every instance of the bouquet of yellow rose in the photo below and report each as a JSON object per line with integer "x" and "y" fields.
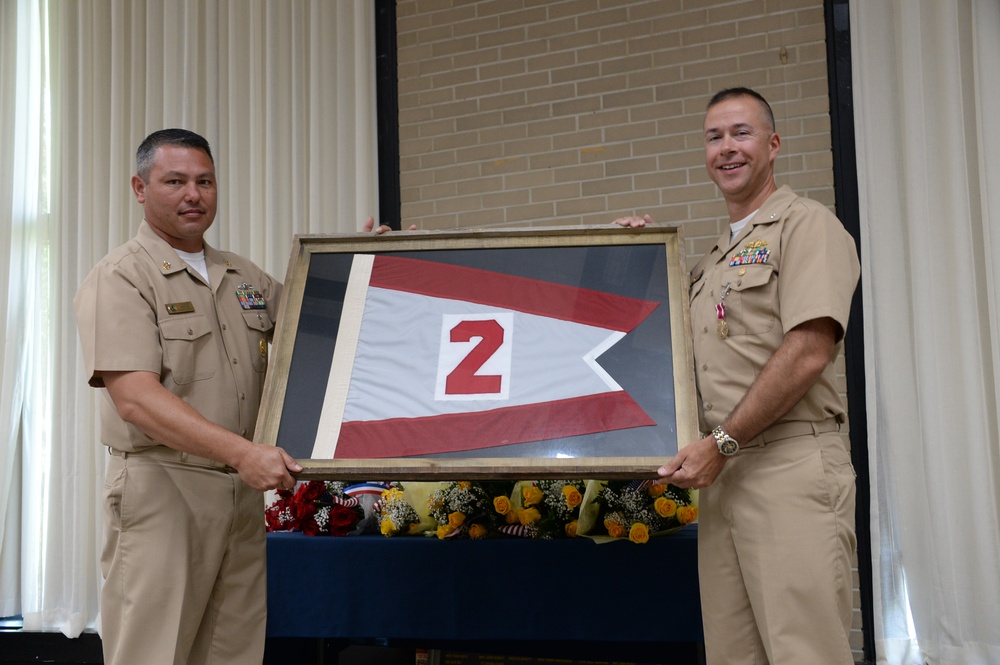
{"x": 394, "y": 514}
{"x": 543, "y": 509}
{"x": 636, "y": 509}
{"x": 464, "y": 509}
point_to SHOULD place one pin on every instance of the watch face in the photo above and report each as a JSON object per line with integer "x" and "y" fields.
{"x": 728, "y": 446}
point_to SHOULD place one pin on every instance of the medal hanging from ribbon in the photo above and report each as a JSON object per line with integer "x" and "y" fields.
{"x": 722, "y": 328}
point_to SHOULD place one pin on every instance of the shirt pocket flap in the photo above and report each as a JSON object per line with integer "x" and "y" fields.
{"x": 190, "y": 327}
{"x": 756, "y": 276}
{"x": 258, "y": 319}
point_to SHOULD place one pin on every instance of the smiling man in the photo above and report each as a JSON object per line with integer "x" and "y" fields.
{"x": 175, "y": 332}
{"x": 769, "y": 307}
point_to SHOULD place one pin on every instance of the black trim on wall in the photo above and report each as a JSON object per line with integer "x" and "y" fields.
{"x": 387, "y": 105}
{"x": 845, "y": 174}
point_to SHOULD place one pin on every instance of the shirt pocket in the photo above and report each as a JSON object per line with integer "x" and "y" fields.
{"x": 259, "y": 331}
{"x": 188, "y": 353}
{"x": 752, "y": 306}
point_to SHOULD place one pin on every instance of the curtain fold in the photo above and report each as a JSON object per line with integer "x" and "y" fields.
{"x": 283, "y": 91}
{"x": 925, "y": 102}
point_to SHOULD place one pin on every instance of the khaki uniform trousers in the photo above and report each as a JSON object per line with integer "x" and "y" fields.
{"x": 184, "y": 563}
{"x": 775, "y": 546}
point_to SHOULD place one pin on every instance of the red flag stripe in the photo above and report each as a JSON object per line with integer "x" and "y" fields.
{"x": 522, "y": 294}
{"x": 405, "y": 437}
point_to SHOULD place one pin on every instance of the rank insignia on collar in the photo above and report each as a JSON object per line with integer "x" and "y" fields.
{"x": 250, "y": 298}
{"x": 754, "y": 251}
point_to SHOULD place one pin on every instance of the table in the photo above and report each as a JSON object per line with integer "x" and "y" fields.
{"x": 418, "y": 589}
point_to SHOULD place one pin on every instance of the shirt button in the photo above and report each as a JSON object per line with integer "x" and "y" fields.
{"x": 190, "y": 331}
{"x": 223, "y": 326}
{"x": 708, "y": 406}
{"x": 704, "y": 329}
{"x": 704, "y": 367}
{"x": 243, "y": 396}
{"x": 235, "y": 362}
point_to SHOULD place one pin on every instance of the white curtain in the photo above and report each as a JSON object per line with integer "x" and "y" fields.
{"x": 285, "y": 93}
{"x": 927, "y": 99}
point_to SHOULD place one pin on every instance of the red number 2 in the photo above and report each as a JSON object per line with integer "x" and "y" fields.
{"x": 463, "y": 380}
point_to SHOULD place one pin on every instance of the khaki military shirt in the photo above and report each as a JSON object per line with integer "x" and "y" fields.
{"x": 794, "y": 262}
{"x": 142, "y": 308}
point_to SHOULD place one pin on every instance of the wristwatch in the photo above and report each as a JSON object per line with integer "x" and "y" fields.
{"x": 727, "y": 444}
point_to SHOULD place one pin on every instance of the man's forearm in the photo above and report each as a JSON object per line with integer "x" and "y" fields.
{"x": 785, "y": 378}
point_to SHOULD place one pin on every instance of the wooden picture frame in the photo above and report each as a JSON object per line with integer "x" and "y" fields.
{"x": 379, "y": 368}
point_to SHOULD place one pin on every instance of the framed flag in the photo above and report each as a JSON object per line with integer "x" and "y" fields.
{"x": 558, "y": 352}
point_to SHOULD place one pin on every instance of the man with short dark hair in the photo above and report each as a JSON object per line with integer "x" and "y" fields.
{"x": 769, "y": 307}
{"x": 176, "y": 333}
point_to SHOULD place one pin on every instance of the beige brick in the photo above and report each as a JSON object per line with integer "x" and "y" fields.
{"x": 576, "y": 73}
{"x": 629, "y": 132}
{"x": 507, "y": 100}
{"x": 479, "y": 121}
{"x": 552, "y": 28}
{"x": 551, "y": 93}
{"x": 628, "y": 98}
{"x": 501, "y": 133}
{"x": 679, "y": 22}
{"x": 434, "y": 97}
{"x": 529, "y": 146}
{"x": 454, "y": 46}
{"x": 554, "y": 158}
{"x": 576, "y": 106}
{"x": 506, "y": 198}
{"x": 501, "y": 70}
{"x": 439, "y": 192}
{"x": 736, "y": 11}
{"x": 502, "y": 37}
{"x": 628, "y": 64}
{"x": 480, "y": 185}
{"x": 416, "y": 147}
{"x": 474, "y": 27}
{"x": 630, "y": 202}
{"x": 607, "y": 186}
{"x": 432, "y": 161}
{"x": 581, "y": 205}
{"x": 532, "y": 211}
{"x": 513, "y": 165}
{"x": 551, "y": 127}
{"x": 598, "y": 86}
{"x": 525, "y": 81}
{"x": 578, "y": 173}
{"x": 555, "y": 192}
{"x": 654, "y": 180}
{"x": 524, "y": 50}
{"x": 707, "y": 69}
{"x": 527, "y": 113}
{"x": 592, "y": 138}
{"x": 524, "y": 17}
{"x": 528, "y": 179}
{"x": 630, "y": 166}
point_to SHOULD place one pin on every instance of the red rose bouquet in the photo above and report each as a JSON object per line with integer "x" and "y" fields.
{"x": 316, "y": 508}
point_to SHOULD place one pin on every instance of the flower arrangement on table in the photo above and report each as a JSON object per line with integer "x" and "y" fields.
{"x": 316, "y": 508}
{"x": 465, "y": 509}
{"x": 543, "y": 509}
{"x": 394, "y": 514}
{"x": 636, "y": 509}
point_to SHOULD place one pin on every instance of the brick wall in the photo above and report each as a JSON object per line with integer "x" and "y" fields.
{"x": 539, "y": 113}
